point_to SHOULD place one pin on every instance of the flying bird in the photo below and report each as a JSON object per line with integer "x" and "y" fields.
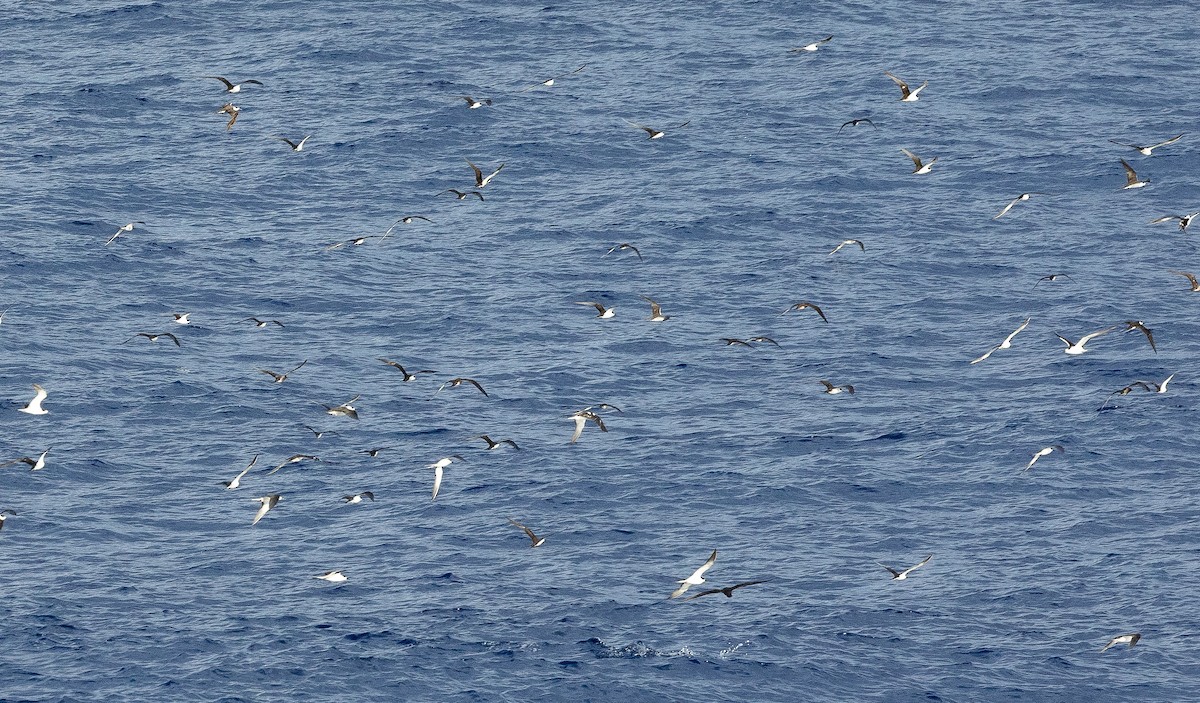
{"x": 358, "y": 498}
{"x": 406, "y": 375}
{"x": 153, "y": 337}
{"x": 237, "y": 480}
{"x": 294, "y": 459}
{"x": 332, "y": 577}
{"x": 182, "y": 318}
{"x": 656, "y": 314}
{"x": 39, "y": 463}
{"x": 262, "y": 323}
{"x": 406, "y": 220}
{"x": 1044, "y": 452}
{"x": 844, "y": 243}
{"x": 622, "y": 247}
{"x": 1051, "y": 278}
{"x": 1131, "y": 177}
{"x": 601, "y": 311}
{"x": 346, "y": 409}
{"x": 463, "y": 196}
{"x": 35, "y": 406}
{"x": 656, "y": 133}
{"x": 761, "y": 338}
{"x": 1006, "y": 343}
{"x": 901, "y": 575}
{"x": 296, "y": 146}
{"x": 473, "y": 104}
{"x": 1130, "y": 639}
{"x": 4, "y": 516}
{"x": 480, "y": 179}
{"x": 730, "y": 342}
{"x": 581, "y": 418}
{"x": 122, "y": 230}
{"x": 919, "y": 166}
{"x": 456, "y": 382}
{"x": 856, "y": 122}
{"x": 1020, "y": 198}
{"x": 550, "y": 81}
{"x": 231, "y": 87}
{"x": 319, "y": 433}
{"x": 1148, "y": 150}
{"x": 281, "y": 377}
{"x": 728, "y": 590}
{"x": 1131, "y": 325}
{"x": 534, "y": 540}
{"x": 814, "y": 46}
{"x": 233, "y": 111}
{"x": 1078, "y": 347}
{"x": 831, "y": 389}
{"x": 438, "y": 466}
{"x": 906, "y": 95}
{"x": 806, "y": 305}
{"x": 268, "y": 502}
{"x": 1184, "y": 220}
{"x": 696, "y": 578}
{"x": 496, "y": 444}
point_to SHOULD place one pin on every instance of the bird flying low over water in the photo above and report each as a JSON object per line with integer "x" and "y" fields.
{"x": 1131, "y": 325}
{"x": 233, "y": 111}
{"x": 601, "y": 311}
{"x": 844, "y": 243}
{"x": 902, "y": 575}
{"x": 231, "y": 87}
{"x": 346, "y": 409}
{"x": 1020, "y": 198}
{"x": 406, "y": 220}
{"x": 406, "y": 375}
{"x": 4, "y": 516}
{"x": 906, "y": 95}
{"x": 1051, "y": 278}
{"x": 294, "y": 459}
{"x": 656, "y": 133}
{"x": 153, "y": 337}
{"x": 268, "y": 502}
{"x": 357, "y": 498}
{"x": 456, "y": 382}
{"x": 812, "y": 47}
{"x": 1148, "y": 150}
{"x": 480, "y": 179}
{"x": 1131, "y": 177}
{"x": 656, "y": 313}
{"x": 550, "y": 81}
{"x": 1191, "y": 279}
{"x": 281, "y": 377}
{"x": 122, "y": 230}
{"x": 1044, "y": 452}
{"x": 831, "y": 389}
{"x": 1078, "y": 347}
{"x": 1006, "y": 343}
{"x": 534, "y": 540}
{"x": 919, "y": 166}
{"x": 438, "y": 467}
{"x": 583, "y": 417}
{"x": 856, "y": 122}
{"x": 463, "y": 196}
{"x": 35, "y": 463}
{"x": 1184, "y": 220}
{"x": 262, "y": 323}
{"x": 696, "y": 578}
{"x": 296, "y": 146}
{"x": 473, "y": 104}
{"x": 728, "y": 590}
{"x": 497, "y": 443}
{"x": 333, "y": 577}
{"x": 622, "y": 247}
{"x": 237, "y": 480}
{"x": 1130, "y": 639}
{"x": 806, "y": 305}
{"x": 34, "y": 407}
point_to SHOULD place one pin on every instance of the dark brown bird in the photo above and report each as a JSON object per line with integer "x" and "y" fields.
{"x": 496, "y": 444}
{"x": 1131, "y": 325}
{"x": 456, "y": 382}
{"x": 153, "y": 337}
{"x": 728, "y": 590}
{"x": 281, "y": 377}
{"x": 806, "y": 305}
{"x": 407, "y": 376}
{"x": 1191, "y": 279}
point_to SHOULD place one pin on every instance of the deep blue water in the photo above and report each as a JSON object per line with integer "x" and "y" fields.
{"x": 129, "y": 573}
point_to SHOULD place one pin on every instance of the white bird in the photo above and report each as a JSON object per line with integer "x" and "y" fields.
{"x": 35, "y": 405}
{"x": 268, "y": 502}
{"x": 1148, "y": 150}
{"x": 122, "y": 230}
{"x": 237, "y": 480}
{"x": 581, "y": 418}
{"x": 1044, "y": 452}
{"x": 1019, "y": 198}
{"x": 296, "y": 146}
{"x": 358, "y": 498}
{"x": 1130, "y": 639}
{"x": 601, "y": 311}
{"x": 901, "y": 575}
{"x": 550, "y": 81}
{"x": 1078, "y": 347}
{"x": 844, "y": 243}
{"x": 332, "y": 577}
{"x": 696, "y": 578}
{"x": 814, "y": 46}
{"x": 438, "y": 466}
{"x": 1006, "y": 343}
{"x": 1158, "y": 387}
{"x": 906, "y": 95}
{"x": 473, "y": 104}
{"x": 1184, "y": 220}
{"x": 34, "y": 464}
{"x": 182, "y": 318}
{"x": 920, "y": 166}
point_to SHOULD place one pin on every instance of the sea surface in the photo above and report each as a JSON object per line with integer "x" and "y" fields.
{"x": 130, "y": 573}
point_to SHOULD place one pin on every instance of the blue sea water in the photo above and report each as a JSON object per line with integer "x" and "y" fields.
{"x": 129, "y": 573}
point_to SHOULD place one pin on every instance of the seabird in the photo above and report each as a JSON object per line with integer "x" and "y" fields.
{"x": 601, "y": 310}
{"x": 655, "y": 133}
{"x": 40, "y": 462}
{"x": 1130, "y": 639}
{"x": 296, "y": 146}
{"x": 438, "y": 467}
{"x": 656, "y": 314}
{"x": 812, "y": 47}
{"x": 729, "y": 342}
{"x": 534, "y": 540}
{"x": 463, "y": 196}
{"x": 844, "y": 243}
{"x": 919, "y": 166}
{"x": 262, "y": 323}
{"x": 358, "y": 498}
{"x": 456, "y": 382}
{"x": 1044, "y": 452}
{"x": 332, "y": 577}
{"x": 320, "y": 433}
{"x": 1191, "y": 279}
{"x": 496, "y": 444}
{"x": 1019, "y": 198}
{"x": 3, "y": 313}
{"x": 233, "y": 111}
{"x": 907, "y": 96}
{"x": 268, "y": 502}
{"x": 1131, "y": 177}
{"x": 373, "y": 453}
{"x": 294, "y": 459}
{"x": 345, "y": 409}
{"x": 806, "y": 305}
{"x": 728, "y": 590}
{"x": 834, "y": 390}
{"x": 1052, "y": 277}
{"x": 406, "y": 220}
{"x": 1131, "y": 325}
{"x": 1077, "y": 347}
{"x": 696, "y": 578}
{"x": 237, "y": 480}
{"x": 480, "y": 179}
{"x": 281, "y": 377}
{"x": 153, "y": 337}
{"x": 550, "y": 81}
{"x": 234, "y": 87}
{"x": 855, "y": 122}
{"x": 4, "y": 516}
{"x": 1006, "y": 343}
{"x": 182, "y": 318}
{"x": 622, "y": 247}
{"x": 761, "y": 338}
{"x": 122, "y": 230}
{"x": 603, "y": 406}
{"x": 1184, "y": 220}
{"x": 1148, "y": 150}
{"x": 901, "y": 575}
{"x": 581, "y": 418}
{"x": 357, "y": 241}
{"x": 1126, "y": 391}
{"x": 473, "y": 104}
{"x": 406, "y": 375}
{"x": 35, "y": 406}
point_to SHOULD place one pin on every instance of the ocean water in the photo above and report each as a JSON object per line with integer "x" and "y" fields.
{"x": 130, "y": 573}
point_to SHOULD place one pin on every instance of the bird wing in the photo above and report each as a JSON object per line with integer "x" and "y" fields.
{"x": 1130, "y": 174}
{"x": 478, "y": 173}
{"x": 475, "y": 383}
{"x": 302, "y": 363}
{"x": 902, "y": 84}
{"x": 1086, "y": 338}
{"x": 437, "y": 480}
{"x": 712, "y": 559}
{"x": 1009, "y": 338}
{"x": 1165, "y": 218}
{"x": 228, "y": 85}
{"x": 893, "y": 572}
{"x": 919, "y": 564}
{"x": 1007, "y": 208}
{"x": 916, "y": 160}
{"x": 1172, "y": 140}
{"x": 986, "y": 354}
{"x": 580, "y": 421}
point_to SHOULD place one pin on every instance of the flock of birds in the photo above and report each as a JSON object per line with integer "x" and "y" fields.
{"x": 595, "y": 414}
